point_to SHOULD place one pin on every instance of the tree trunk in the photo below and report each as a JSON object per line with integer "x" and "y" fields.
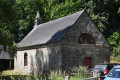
{"x": 10, "y": 64}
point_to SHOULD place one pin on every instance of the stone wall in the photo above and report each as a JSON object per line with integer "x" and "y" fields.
{"x": 39, "y": 60}
{"x": 74, "y": 55}
{"x": 84, "y": 25}
{"x": 49, "y": 58}
{"x": 19, "y": 61}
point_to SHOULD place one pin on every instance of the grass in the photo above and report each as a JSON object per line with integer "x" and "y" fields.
{"x": 76, "y": 74}
{"x": 9, "y": 73}
{"x": 76, "y": 78}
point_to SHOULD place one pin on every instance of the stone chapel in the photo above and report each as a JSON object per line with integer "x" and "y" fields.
{"x": 73, "y": 40}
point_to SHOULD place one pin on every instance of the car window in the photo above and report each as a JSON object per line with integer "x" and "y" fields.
{"x": 100, "y": 67}
{"x": 110, "y": 67}
{"x": 115, "y": 73}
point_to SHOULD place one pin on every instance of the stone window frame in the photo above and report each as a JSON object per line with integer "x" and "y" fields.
{"x": 86, "y": 38}
{"x": 25, "y": 59}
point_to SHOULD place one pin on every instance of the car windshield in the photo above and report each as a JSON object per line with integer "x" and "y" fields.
{"x": 115, "y": 73}
{"x": 100, "y": 67}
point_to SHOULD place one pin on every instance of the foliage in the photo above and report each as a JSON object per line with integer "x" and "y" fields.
{"x": 81, "y": 72}
{"x": 12, "y": 50}
{"x": 7, "y": 24}
{"x": 117, "y": 58}
{"x": 105, "y": 15}
{"x": 57, "y": 75}
{"x": 107, "y": 18}
{"x": 49, "y": 10}
{"x": 80, "y": 69}
{"x": 115, "y": 43}
{"x": 7, "y": 21}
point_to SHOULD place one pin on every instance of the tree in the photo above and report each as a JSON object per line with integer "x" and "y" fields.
{"x": 114, "y": 40}
{"x": 107, "y": 18}
{"x": 49, "y": 10}
{"x": 7, "y": 25}
{"x": 104, "y": 15}
{"x": 7, "y": 21}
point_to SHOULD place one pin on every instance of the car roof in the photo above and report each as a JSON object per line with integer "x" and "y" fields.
{"x": 107, "y": 64}
{"x": 118, "y": 66}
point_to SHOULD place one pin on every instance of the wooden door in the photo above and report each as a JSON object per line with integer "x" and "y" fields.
{"x": 87, "y": 62}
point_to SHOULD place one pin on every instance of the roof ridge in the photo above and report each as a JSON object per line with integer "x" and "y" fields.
{"x": 61, "y": 18}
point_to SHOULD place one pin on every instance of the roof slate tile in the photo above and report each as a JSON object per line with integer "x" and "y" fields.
{"x": 51, "y": 31}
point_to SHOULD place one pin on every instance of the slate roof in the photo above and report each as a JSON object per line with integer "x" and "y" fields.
{"x": 4, "y": 54}
{"x": 52, "y": 31}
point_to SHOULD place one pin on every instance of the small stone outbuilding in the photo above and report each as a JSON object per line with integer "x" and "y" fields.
{"x": 4, "y": 58}
{"x": 73, "y": 40}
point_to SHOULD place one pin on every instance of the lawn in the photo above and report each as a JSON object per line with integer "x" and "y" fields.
{"x": 9, "y": 73}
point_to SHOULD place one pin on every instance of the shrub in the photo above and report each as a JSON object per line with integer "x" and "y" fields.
{"x": 117, "y": 58}
{"x": 81, "y": 72}
{"x": 57, "y": 75}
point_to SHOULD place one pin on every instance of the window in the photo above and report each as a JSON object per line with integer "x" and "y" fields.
{"x": 25, "y": 59}
{"x": 86, "y": 39}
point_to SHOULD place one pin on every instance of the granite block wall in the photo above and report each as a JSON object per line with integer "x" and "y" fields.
{"x": 74, "y": 55}
{"x": 39, "y": 60}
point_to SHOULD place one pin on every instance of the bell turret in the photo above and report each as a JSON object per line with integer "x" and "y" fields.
{"x": 38, "y": 19}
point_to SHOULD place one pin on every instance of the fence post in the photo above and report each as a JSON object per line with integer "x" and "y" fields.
{"x": 67, "y": 78}
{"x": 98, "y": 76}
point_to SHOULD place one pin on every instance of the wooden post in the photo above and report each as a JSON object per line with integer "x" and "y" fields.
{"x": 98, "y": 76}
{"x": 67, "y": 78}
{"x": 10, "y": 63}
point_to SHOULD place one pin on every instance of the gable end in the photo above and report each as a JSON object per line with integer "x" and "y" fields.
{"x": 85, "y": 25}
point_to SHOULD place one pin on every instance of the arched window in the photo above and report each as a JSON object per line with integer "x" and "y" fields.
{"x": 25, "y": 59}
{"x": 86, "y": 39}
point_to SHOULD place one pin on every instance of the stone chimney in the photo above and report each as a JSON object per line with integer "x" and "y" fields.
{"x": 38, "y": 20}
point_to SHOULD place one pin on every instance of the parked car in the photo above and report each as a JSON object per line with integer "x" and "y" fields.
{"x": 103, "y": 69}
{"x": 114, "y": 74}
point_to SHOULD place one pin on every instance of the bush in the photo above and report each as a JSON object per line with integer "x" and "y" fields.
{"x": 80, "y": 72}
{"x": 57, "y": 75}
{"x": 117, "y": 58}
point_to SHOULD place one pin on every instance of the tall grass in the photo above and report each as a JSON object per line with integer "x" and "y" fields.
{"x": 80, "y": 72}
{"x": 76, "y": 74}
{"x": 57, "y": 75}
